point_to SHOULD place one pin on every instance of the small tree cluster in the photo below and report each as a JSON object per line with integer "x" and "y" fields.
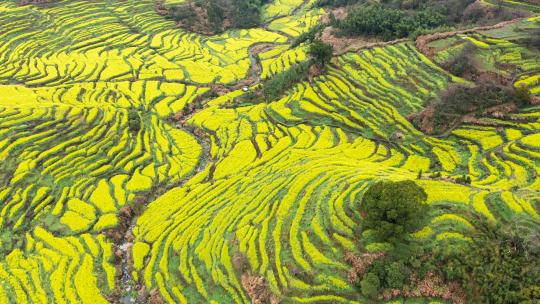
{"x": 320, "y": 52}
{"x": 463, "y": 64}
{"x": 393, "y": 210}
{"x": 392, "y": 19}
{"x": 308, "y": 36}
{"x": 370, "y": 285}
{"x": 388, "y": 23}
{"x": 134, "y": 121}
{"x": 457, "y": 101}
{"x": 275, "y": 86}
{"x": 464, "y": 180}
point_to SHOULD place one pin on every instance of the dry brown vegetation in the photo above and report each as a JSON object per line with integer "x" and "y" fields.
{"x": 360, "y": 264}
{"x": 432, "y": 286}
{"x": 257, "y": 289}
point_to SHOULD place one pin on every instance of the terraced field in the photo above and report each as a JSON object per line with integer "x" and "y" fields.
{"x": 530, "y": 5}
{"x": 89, "y": 90}
{"x": 497, "y": 48}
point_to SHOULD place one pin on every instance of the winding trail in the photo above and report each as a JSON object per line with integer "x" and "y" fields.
{"x": 126, "y": 286}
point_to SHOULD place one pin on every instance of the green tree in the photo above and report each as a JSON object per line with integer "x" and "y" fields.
{"x": 396, "y": 273}
{"x": 246, "y": 13}
{"x": 394, "y": 209}
{"x": 215, "y": 14}
{"x": 320, "y": 52}
{"x": 134, "y": 121}
{"x": 530, "y": 295}
{"x": 370, "y": 285}
{"x": 522, "y": 96}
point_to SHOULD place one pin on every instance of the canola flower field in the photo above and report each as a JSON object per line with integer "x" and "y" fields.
{"x": 276, "y": 181}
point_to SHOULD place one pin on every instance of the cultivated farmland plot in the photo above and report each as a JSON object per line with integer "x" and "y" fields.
{"x": 92, "y": 149}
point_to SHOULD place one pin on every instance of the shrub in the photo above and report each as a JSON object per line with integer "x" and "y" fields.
{"x": 335, "y": 3}
{"x": 9, "y": 240}
{"x": 530, "y": 295}
{"x": 521, "y": 96}
{"x": 436, "y": 175}
{"x": 372, "y": 20}
{"x": 216, "y": 15}
{"x": 423, "y": 31}
{"x": 464, "y": 179}
{"x": 246, "y": 13}
{"x": 474, "y": 13}
{"x": 181, "y": 12}
{"x": 531, "y": 38}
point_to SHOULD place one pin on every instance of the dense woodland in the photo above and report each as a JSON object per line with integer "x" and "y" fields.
{"x": 397, "y": 19}
{"x": 215, "y": 16}
{"x": 385, "y": 19}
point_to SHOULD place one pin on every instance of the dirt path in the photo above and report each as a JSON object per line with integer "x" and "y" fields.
{"x": 255, "y": 70}
{"x": 355, "y": 46}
